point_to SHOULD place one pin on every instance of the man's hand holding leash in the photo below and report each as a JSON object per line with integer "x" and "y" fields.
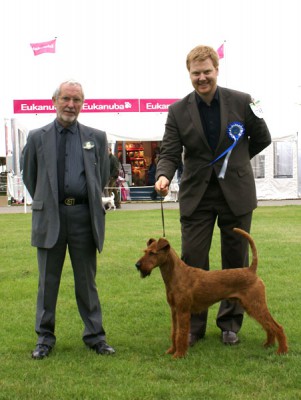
{"x": 162, "y": 186}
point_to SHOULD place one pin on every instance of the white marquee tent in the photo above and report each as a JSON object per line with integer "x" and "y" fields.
{"x": 276, "y": 169}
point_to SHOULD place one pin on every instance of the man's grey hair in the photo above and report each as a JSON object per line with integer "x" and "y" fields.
{"x": 57, "y": 91}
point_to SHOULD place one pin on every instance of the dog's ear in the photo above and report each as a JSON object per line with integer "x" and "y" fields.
{"x": 163, "y": 244}
{"x": 150, "y": 241}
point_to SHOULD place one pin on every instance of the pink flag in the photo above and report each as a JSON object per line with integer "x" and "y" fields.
{"x": 220, "y": 51}
{"x": 43, "y": 47}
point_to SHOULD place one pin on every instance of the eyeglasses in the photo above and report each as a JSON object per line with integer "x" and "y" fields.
{"x": 66, "y": 99}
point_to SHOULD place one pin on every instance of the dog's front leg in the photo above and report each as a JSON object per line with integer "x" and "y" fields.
{"x": 172, "y": 349}
{"x": 182, "y": 334}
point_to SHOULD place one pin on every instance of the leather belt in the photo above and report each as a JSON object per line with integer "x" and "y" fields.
{"x": 73, "y": 201}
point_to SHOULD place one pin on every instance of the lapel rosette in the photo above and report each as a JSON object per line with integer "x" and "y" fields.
{"x": 235, "y": 130}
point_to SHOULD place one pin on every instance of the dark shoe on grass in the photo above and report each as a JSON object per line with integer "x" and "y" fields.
{"x": 41, "y": 351}
{"x": 229, "y": 337}
{"x": 103, "y": 348}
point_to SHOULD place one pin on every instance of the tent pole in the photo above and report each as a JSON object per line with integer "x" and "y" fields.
{"x": 123, "y": 153}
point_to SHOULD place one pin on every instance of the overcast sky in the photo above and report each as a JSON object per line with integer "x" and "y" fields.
{"x": 137, "y": 49}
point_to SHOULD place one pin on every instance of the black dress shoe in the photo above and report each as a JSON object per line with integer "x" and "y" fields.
{"x": 103, "y": 348}
{"x": 41, "y": 351}
{"x": 229, "y": 337}
{"x": 193, "y": 339}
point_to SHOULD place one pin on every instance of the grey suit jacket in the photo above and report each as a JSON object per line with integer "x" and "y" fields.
{"x": 184, "y": 130}
{"x": 40, "y": 178}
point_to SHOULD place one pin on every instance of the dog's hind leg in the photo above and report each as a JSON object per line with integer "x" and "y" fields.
{"x": 259, "y": 311}
{"x": 182, "y": 334}
{"x": 274, "y": 329}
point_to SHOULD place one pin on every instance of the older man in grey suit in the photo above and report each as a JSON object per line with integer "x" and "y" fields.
{"x": 65, "y": 169}
{"x": 219, "y": 130}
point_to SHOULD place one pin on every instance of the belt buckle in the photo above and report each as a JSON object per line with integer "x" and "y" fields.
{"x": 69, "y": 201}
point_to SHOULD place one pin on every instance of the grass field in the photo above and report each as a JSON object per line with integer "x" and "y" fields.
{"x": 137, "y": 320}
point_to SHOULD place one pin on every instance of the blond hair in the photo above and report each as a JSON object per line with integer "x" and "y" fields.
{"x": 201, "y": 53}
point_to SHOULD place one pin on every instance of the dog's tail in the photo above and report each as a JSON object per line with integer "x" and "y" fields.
{"x": 253, "y": 266}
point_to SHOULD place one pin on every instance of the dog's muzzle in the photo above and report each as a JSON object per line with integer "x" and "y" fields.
{"x": 143, "y": 274}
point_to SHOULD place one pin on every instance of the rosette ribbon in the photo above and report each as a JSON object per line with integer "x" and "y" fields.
{"x": 235, "y": 131}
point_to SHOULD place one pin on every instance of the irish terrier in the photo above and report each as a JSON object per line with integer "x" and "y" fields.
{"x": 192, "y": 290}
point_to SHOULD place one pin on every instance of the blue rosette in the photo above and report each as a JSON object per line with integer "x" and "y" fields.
{"x": 235, "y": 130}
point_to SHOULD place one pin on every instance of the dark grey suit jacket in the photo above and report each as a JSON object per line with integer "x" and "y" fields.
{"x": 184, "y": 129}
{"x": 40, "y": 178}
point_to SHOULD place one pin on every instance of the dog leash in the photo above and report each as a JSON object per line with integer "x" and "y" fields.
{"x": 162, "y": 216}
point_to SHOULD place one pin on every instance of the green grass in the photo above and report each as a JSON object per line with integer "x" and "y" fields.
{"x": 137, "y": 320}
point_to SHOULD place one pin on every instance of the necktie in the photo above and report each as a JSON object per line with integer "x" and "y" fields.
{"x": 61, "y": 164}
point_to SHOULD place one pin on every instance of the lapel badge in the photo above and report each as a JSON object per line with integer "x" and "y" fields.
{"x": 88, "y": 145}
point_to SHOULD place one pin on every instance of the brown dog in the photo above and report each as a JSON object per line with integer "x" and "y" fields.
{"x": 192, "y": 290}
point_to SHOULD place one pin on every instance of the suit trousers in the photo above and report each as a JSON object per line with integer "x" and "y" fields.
{"x": 76, "y": 235}
{"x": 197, "y": 231}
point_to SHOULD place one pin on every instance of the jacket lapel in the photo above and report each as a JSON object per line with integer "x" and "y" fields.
{"x": 48, "y": 138}
{"x": 224, "y": 109}
{"x": 87, "y": 139}
{"x": 195, "y": 117}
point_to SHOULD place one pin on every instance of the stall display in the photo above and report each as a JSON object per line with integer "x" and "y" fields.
{"x": 135, "y": 156}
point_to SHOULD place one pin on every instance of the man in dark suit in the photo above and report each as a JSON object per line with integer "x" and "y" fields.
{"x": 65, "y": 169}
{"x": 218, "y": 130}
